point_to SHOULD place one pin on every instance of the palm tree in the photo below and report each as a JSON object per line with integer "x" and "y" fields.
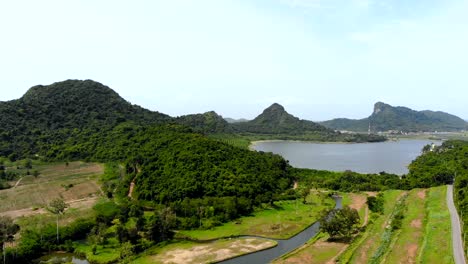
{"x": 57, "y": 207}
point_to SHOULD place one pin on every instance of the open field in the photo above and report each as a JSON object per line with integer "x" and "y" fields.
{"x": 437, "y": 246}
{"x": 284, "y": 220}
{"x": 75, "y": 183}
{"x": 190, "y": 252}
{"x": 407, "y": 244}
{"x": 319, "y": 250}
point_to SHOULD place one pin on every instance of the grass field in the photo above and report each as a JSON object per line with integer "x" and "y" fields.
{"x": 233, "y": 140}
{"x": 76, "y": 181}
{"x": 407, "y": 243}
{"x": 437, "y": 246}
{"x": 190, "y": 252}
{"x": 284, "y": 220}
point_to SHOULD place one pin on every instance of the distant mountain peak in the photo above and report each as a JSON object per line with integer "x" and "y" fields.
{"x": 275, "y": 107}
{"x": 379, "y": 107}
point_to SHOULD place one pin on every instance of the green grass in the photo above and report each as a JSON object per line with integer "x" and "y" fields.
{"x": 437, "y": 244}
{"x": 233, "y": 140}
{"x": 104, "y": 254}
{"x": 283, "y": 221}
{"x": 407, "y": 244}
{"x": 202, "y": 252}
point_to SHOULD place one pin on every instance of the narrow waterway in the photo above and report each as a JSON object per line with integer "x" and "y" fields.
{"x": 284, "y": 245}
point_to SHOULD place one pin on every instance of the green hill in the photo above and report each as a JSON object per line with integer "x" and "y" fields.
{"x": 276, "y": 123}
{"x": 275, "y": 120}
{"x": 208, "y": 123}
{"x": 48, "y": 114}
{"x": 386, "y": 117}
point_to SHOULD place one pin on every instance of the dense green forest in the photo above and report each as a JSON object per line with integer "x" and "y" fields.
{"x": 386, "y": 117}
{"x": 348, "y": 181}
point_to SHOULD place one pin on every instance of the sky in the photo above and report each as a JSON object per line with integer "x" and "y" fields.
{"x": 320, "y": 59}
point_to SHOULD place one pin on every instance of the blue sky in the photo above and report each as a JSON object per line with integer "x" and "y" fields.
{"x": 319, "y": 58}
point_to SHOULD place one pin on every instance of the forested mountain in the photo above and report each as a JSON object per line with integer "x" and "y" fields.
{"x": 275, "y": 120}
{"x": 386, "y": 117}
{"x": 276, "y": 123}
{"x": 49, "y": 114}
{"x": 209, "y": 123}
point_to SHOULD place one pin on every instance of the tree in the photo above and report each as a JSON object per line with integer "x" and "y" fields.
{"x": 376, "y": 204}
{"x": 57, "y": 207}
{"x": 7, "y": 231}
{"x": 340, "y": 223}
{"x": 27, "y": 163}
{"x": 35, "y": 174}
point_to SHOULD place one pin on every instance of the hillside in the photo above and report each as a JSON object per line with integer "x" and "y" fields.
{"x": 208, "y": 123}
{"x": 48, "y": 113}
{"x": 386, "y": 117}
{"x": 275, "y": 120}
{"x": 276, "y": 123}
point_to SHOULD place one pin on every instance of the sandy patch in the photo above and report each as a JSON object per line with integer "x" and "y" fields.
{"x": 412, "y": 250}
{"x": 357, "y": 201}
{"x": 213, "y": 252}
{"x": 417, "y": 223}
{"x": 422, "y": 194}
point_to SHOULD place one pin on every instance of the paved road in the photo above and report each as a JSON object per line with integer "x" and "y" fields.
{"x": 458, "y": 252}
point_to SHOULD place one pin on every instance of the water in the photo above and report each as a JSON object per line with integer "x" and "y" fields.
{"x": 284, "y": 245}
{"x": 56, "y": 258}
{"x": 391, "y": 156}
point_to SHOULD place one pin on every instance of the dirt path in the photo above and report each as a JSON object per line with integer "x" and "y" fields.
{"x": 79, "y": 203}
{"x": 18, "y": 182}
{"x": 132, "y": 186}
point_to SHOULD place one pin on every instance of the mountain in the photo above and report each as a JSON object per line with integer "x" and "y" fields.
{"x": 386, "y": 117}
{"x": 275, "y": 120}
{"x": 49, "y": 113}
{"x": 232, "y": 120}
{"x": 72, "y": 104}
{"x": 208, "y": 123}
{"x": 276, "y": 123}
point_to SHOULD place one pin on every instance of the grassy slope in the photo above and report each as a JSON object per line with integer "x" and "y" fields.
{"x": 32, "y": 192}
{"x": 437, "y": 245}
{"x": 406, "y": 246}
{"x": 371, "y": 239}
{"x": 283, "y": 221}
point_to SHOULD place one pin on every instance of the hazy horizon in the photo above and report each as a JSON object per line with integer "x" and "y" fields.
{"x": 320, "y": 59}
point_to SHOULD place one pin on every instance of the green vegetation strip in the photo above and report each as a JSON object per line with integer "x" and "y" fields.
{"x": 283, "y": 221}
{"x": 389, "y": 231}
{"x": 437, "y": 245}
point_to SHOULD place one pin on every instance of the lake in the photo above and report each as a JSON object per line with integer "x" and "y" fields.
{"x": 390, "y": 156}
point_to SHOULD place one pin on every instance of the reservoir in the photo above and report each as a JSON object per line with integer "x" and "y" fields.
{"x": 390, "y": 156}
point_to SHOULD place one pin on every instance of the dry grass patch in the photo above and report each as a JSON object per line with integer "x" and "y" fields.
{"x": 189, "y": 252}
{"x": 76, "y": 181}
